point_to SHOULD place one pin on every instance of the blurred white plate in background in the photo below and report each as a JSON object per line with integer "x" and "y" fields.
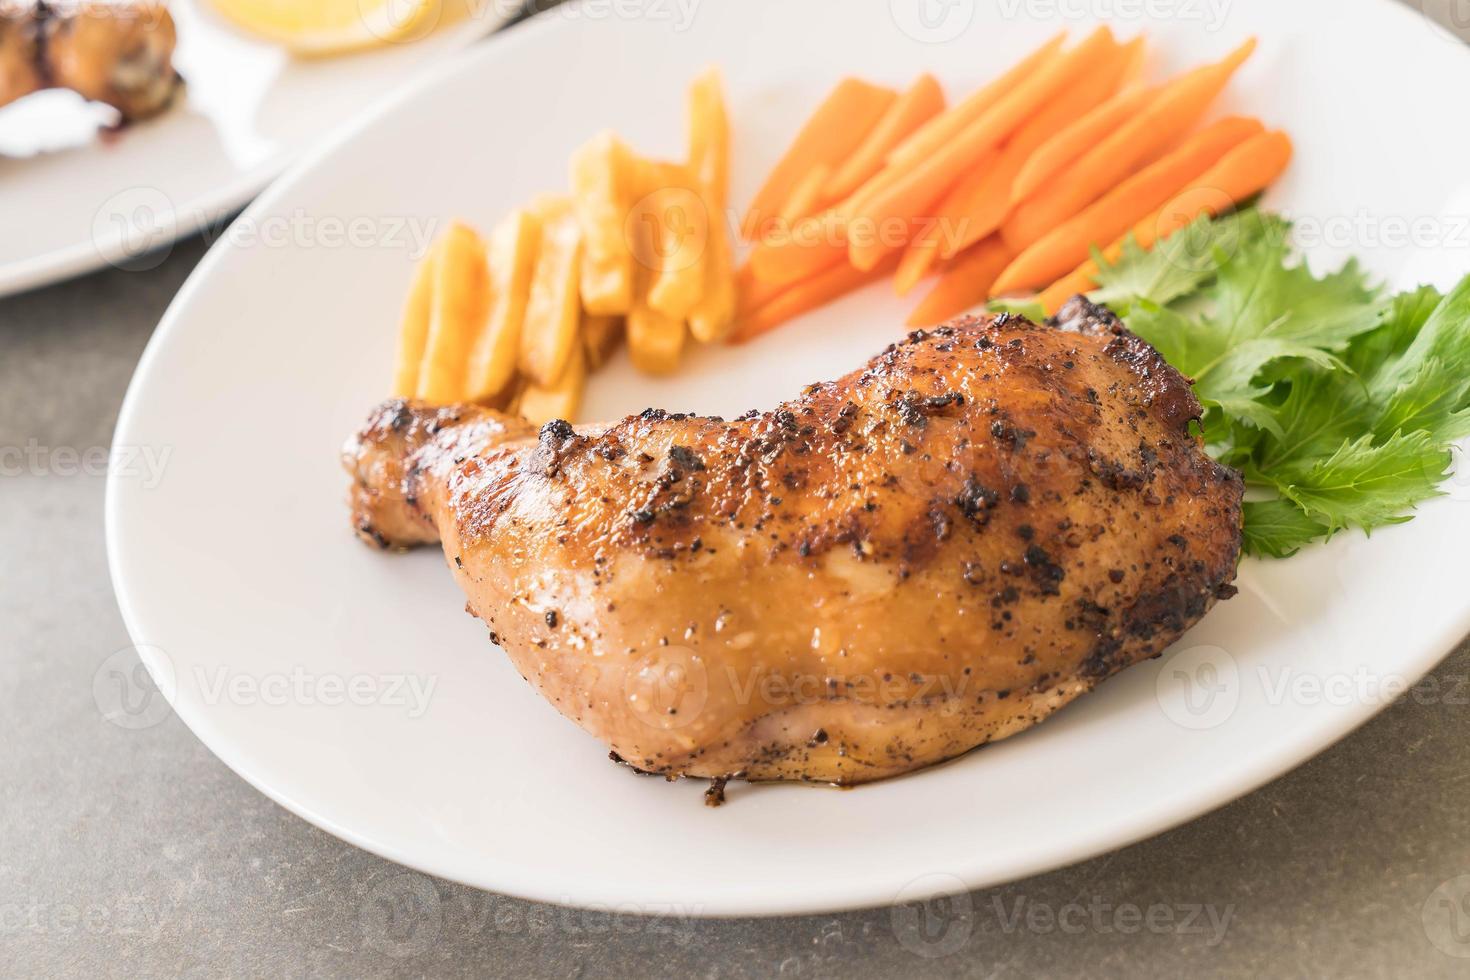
{"x": 73, "y": 199}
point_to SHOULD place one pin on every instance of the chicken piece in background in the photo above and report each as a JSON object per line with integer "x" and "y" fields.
{"x": 119, "y": 53}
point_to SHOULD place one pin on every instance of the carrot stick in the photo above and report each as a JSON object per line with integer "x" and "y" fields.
{"x": 799, "y": 242}
{"x": 807, "y": 195}
{"x": 791, "y": 238}
{"x": 1135, "y": 56}
{"x": 977, "y": 206}
{"x": 943, "y": 128}
{"x": 838, "y": 126}
{"x": 964, "y": 284}
{"x": 813, "y": 244}
{"x": 921, "y": 102}
{"x": 1242, "y": 173}
{"x": 1139, "y": 139}
{"x": 806, "y": 296}
{"x": 1066, "y": 145}
{"x": 752, "y": 293}
{"x": 921, "y": 254}
{"x": 1077, "y": 282}
{"x": 922, "y": 183}
{"x": 1118, "y": 210}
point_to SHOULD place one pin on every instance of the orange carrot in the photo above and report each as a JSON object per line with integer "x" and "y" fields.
{"x": 808, "y": 243}
{"x": 752, "y": 293}
{"x": 921, "y": 254}
{"x": 786, "y": 254}
{"x": 804, "y": 297}
{"x": 1067, "y": 144}
{"x": 922, "y": 183}
{"x": 1137, "y": 140}
{"x": 807, "y": 195}
{"x": 964, "y": 284}
{"x": 978, "y": 204}
{"x": 943, "y": 128}
{"x": 815, "y": 243}
{"x": 921, "y": 102}
{"x": 1242, "y": 173}
{"x": 838, "y": 126}
{"x": 1135, "y": 56}
{"x": 1118, "y": 210}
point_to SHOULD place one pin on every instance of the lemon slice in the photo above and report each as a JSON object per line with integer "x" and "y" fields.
{"x": 319, "y": 27}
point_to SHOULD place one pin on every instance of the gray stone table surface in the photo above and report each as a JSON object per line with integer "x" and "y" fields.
{"x": 136, "y": 852}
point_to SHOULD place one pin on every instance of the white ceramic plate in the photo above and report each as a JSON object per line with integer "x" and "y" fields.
{"x": 236, "y": 570}
{"x": 72, "y": 200}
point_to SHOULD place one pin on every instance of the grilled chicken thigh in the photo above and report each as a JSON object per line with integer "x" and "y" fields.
{"x": 935, "y": 551}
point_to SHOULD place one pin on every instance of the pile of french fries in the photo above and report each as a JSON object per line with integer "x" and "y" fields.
{"x": 1005, "y": 193}
{"x": 638, "y": 249}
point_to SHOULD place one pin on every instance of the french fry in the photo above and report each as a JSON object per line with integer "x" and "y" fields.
{"x": 713, "y": 316}
{"x": 562, "y": 398}
{"x": 553, "y": 309}
{"x": 600, "y": 337}
{"x": 600, "y": 196}
{"x": 655, "y": 341}
{"x": 513, "y": 247}
{"x": 457, "y": 312}
{"x": 414, "y": 333}
{"x": 672, "y": 209}
{"x": 709, "y": 137}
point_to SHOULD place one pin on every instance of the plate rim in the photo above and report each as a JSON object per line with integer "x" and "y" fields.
{"x": 837, "y": 894}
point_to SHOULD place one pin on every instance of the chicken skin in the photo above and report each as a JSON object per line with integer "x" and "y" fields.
{"x": 933, "y": 552}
